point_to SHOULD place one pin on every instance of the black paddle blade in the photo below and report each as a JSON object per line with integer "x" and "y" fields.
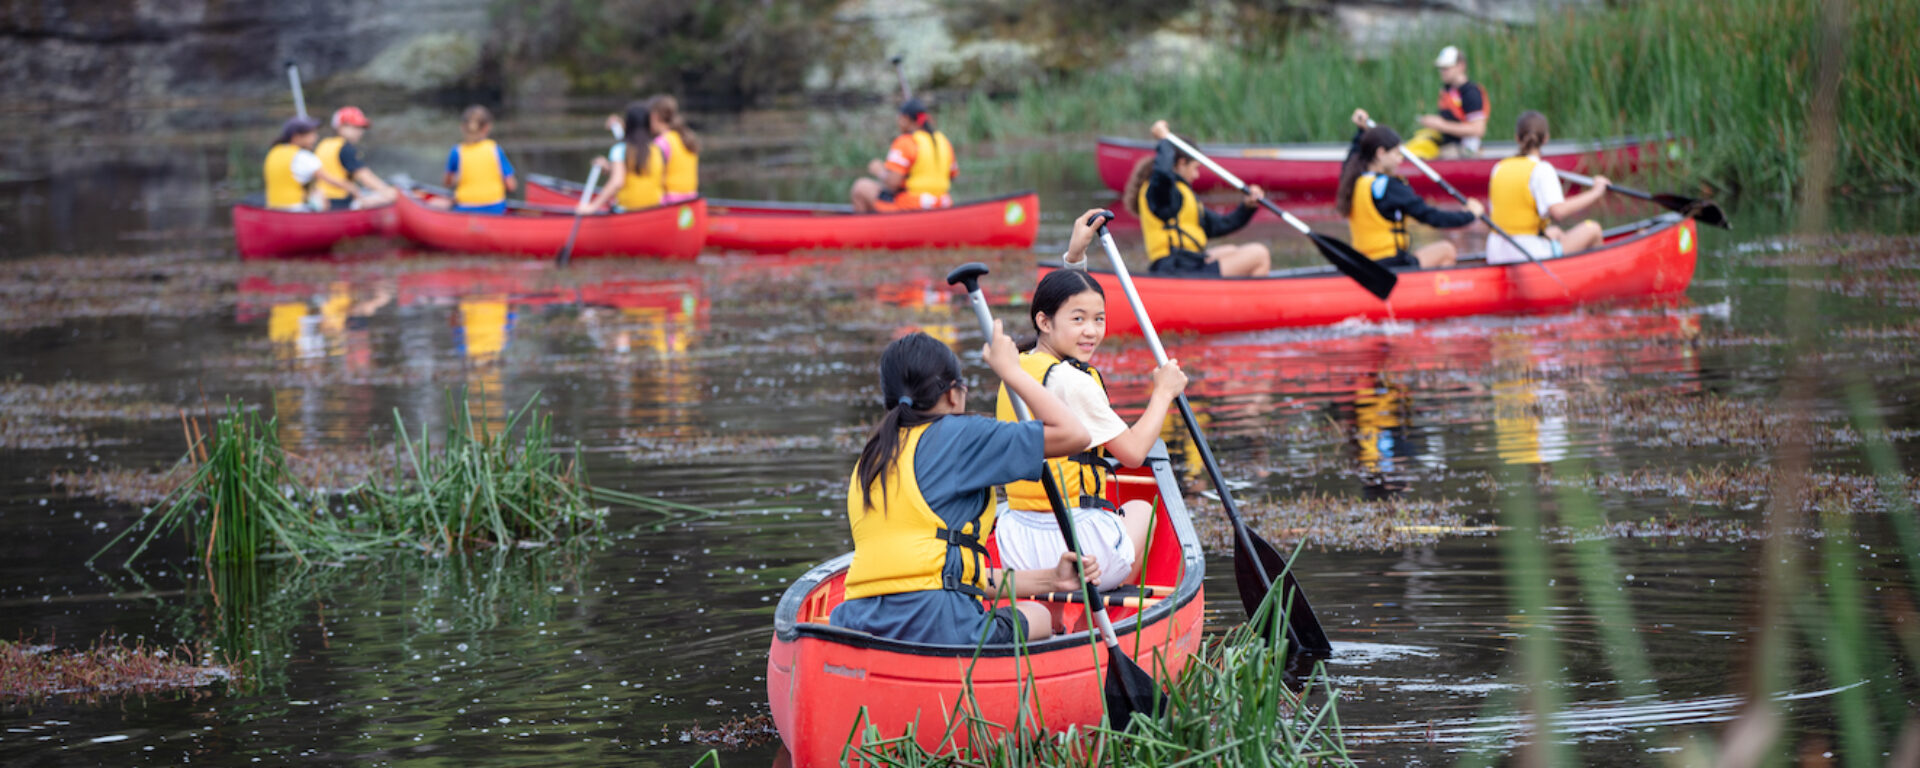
{"x": 1304, "y": 632}
{"x": 1378, "y": 280}
{"x": 1703, "y": 211}
{"x": 1129, "y": 690}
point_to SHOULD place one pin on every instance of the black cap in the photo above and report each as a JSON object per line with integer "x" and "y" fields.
{"x": 299, "y": 125}
{"x": 913, "y": 108}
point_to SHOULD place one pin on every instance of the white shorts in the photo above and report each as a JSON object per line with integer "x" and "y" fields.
{"x": 1499, "y": 251}
{"x": 1030, "y": 540}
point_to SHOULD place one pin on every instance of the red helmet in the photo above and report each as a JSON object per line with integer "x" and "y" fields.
{"x": 350, "y": 116}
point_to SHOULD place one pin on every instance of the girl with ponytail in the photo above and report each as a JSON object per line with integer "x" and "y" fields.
{"x": 920, "y": 502}
{"x": 1527, "y": 201}
{"x": 1377, "y": 203}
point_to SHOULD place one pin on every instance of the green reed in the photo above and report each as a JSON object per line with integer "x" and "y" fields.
{"x": 1230, "y": 706}
{"x": 1729, "y": 76}
{"x": 478, "y": 489}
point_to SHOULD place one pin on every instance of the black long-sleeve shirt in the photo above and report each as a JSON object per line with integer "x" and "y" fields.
{"x": 1398, "y": 200}
{"x": 1163, "y": 197}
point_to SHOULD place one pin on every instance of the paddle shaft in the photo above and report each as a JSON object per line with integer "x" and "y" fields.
{"x": 1236, "y": 183}
{"x": 900, "y": 72}
{"x": 1434, "y": 176}
{"x": 1116, "y": 601}
{"x": 586, "y": 196}
{"x": 299, "y": 98}
{"x": 1241, "y": 536}
{"x": 1587, "y": 181}
{"x": 1060, "y": 511}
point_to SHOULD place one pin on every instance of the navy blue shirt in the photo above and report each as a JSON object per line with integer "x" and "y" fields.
{"x": 958, "y": 462}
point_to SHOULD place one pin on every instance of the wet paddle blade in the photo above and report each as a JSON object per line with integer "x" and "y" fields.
{"x": 1129, "y": 690}
{"x": 1378, "y": 280}
{"x": 1703, "y": 211}
{"x": 1304, "y": 632}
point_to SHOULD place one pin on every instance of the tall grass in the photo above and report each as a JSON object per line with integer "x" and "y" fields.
{"x": 1730, "y": 76}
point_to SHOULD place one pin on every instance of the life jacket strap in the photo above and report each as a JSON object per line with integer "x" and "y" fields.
{"x": 1097, "y": 502}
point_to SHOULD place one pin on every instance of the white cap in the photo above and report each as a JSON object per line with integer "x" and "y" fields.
{"x": 1449, "y": 56}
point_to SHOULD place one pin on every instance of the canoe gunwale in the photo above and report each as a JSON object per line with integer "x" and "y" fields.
{"x": 787, "y": 628}
{"x": 1314, "y": 151}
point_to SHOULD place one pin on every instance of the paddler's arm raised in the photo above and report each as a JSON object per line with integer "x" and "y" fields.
{"x": 1163, "y": 199}
{"x": 1063, "y": 432}
{"x": 1084, "y": 232}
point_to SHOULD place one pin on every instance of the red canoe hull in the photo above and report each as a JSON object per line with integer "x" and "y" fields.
{"x": 266, "y": 233}
{"x": 1010, "y": 221}
{"x": 821, "y": 681}
{"x": 1315, "y": 168}
{"x": 670, "y": 231}
{"x": 1649, "y": 263}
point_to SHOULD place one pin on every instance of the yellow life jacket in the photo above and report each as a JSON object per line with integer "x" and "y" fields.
{"x": 645, "y": 187}
{"x": 283, "y": 190}
{"x": 481, "y": 182}
{"x": 328, "y": 150}
{"x": 1512, "y": 205}
{"x": 1182, "y": 232}
{"x": 1082, "y": 476}
{"x": 932, "y": 171}
{"x": 901, "y": 545}
{"x": 1374, "y": 235}
{"x": 683, "y": 167}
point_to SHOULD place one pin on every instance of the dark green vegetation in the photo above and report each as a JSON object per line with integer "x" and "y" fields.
{"x": 1732, "y": 77}
{"x": 482, "y": 489}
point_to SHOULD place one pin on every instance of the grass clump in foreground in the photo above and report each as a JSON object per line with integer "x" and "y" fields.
{"x": 479, "y": 490}
{"x": 1230, "y": 706}
{"x": 1733, "y": 77}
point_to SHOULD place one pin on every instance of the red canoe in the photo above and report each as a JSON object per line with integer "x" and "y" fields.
{"x": 1645, "y": 259}
{"x": 819, "y": 677}
{"x": 671, "y": 231}
{"x": 1315, "y": 168}
{"x": 264, "y": 233}
{"x": 1009, "y": 221}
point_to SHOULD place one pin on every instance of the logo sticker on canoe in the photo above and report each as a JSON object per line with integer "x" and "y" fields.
{"x": 1686, "y": 239}
{"x": 686, "y": 216}
{"x": 1016, "y": 213}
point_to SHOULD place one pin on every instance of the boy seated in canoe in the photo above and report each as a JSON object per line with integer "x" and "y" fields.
{"x": 1069, "y": 315}
{"x": 291, "y": 168}
{"x": 920, "y": 501}
{"x": 1462, "y": 120}
{"x": 1176, "y": 226}
{"x": 918, "y": 172}
{"x": 1377, "y": 203}
{"x": 1526, "y": 201}
{"x": 477, "y": 169}
{"x": 340, "y": 156}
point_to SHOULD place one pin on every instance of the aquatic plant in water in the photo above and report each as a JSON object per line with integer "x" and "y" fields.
{"x": 31, "y": 673}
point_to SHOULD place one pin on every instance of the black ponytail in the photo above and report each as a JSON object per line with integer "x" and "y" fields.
{"x": 1053, "y": 292}
{"x": 1371, "y": 142}
{"x": 915, "y": 371}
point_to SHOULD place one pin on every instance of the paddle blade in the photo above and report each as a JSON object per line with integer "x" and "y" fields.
{"x": 1304, "y": 632}
{"x": 1703, "y": 211}
{"x": 1378, "y": 280}
{"x": 1129, "y": 690}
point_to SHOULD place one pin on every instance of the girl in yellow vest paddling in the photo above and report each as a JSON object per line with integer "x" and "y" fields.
{"x": 918, "y": 172}
{"x": 920, "y": 501}
{"x": 477, "y": 169}
{"x": 1527, "y": 200}
{"x": 1378, "y": 203}
{"x": 654, "y": 164}
{"x": 1176, "y": 226}
{"x": 1069, "y": 315}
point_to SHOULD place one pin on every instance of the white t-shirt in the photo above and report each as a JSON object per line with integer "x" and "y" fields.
{"x": 305, "y": 165}
{"x": 1088, "y": 401}
{"x": 1545, "y": 186}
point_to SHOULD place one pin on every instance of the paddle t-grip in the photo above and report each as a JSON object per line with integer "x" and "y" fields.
{"x": 968, "y": 275}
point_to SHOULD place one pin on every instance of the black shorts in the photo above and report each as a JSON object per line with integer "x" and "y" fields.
{"x": 1184, "y": 263}
{"x": 1401, "y": 260}
{"x": 887, "y": 195}
{"x": 1008, "y": 625}
{"x": 340, "y": 204}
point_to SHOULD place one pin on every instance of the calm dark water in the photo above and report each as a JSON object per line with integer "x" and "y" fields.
{"x": 745, "y": 384}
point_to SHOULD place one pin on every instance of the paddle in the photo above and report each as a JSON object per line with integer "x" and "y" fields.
{"x": 299, "y": 99}
{"x": 1129, "y": 689}
{"x": 1378, "y": 280}
{"x": 1703, "y": 211}
{"x": 1435, "y": 177}
{"x": 901, "y": 73}
{"x": 566, "y": 251}
{"x": 1254, "y": 560}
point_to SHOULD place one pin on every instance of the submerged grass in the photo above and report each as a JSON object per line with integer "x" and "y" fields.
{"x": 480, "y": 489}
{"x": 111, "y": 667}
{"x": 1729, "y": 76}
